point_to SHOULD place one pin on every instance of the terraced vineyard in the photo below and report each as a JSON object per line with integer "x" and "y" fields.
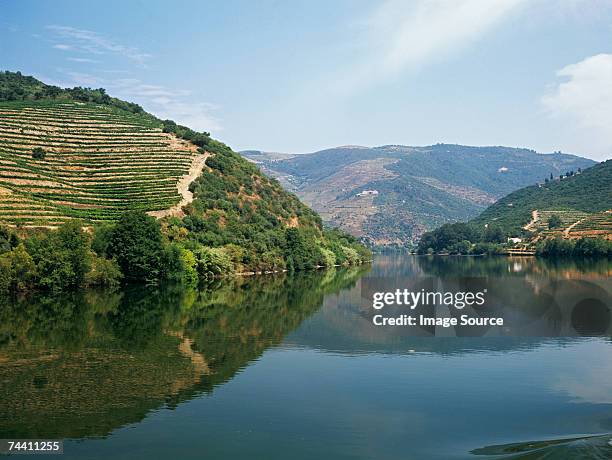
{"x": 574, "y": 224}
{"x": 100, "y": 160}
{"x": 599, "y": 224}
{"x": 567, "y": 217}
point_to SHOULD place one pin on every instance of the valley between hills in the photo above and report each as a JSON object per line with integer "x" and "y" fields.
{"x": 391, "y": 195}
{"x": 161, "y": 201}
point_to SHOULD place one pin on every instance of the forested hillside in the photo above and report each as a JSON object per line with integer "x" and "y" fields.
{"x": 569, "y": 215}
{"x": 584, "y": 193}
{"x": 391, "y": 195}
{"x": 72, "y": 158}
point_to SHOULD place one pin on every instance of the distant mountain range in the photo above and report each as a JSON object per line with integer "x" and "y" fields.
{"x": 390, "y": 195}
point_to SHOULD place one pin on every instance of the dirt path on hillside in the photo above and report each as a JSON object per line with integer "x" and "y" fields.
{"x": 534, "y": 218}
{"x": 197, "y": 166}
{"x": 567, "y": 231}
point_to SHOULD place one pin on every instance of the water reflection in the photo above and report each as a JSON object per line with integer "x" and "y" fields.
{"x": 83, "y": 365}
{"x": 536, "y": 299}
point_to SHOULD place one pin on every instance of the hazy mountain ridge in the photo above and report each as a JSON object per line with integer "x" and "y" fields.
{"x": 390, "y": 195}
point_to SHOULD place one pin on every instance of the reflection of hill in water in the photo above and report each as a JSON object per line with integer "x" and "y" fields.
{"x": 537, "y": 300}
{"x": 83, "y": 365}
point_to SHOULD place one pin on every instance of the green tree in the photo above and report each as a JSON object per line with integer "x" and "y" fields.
{"x": 17, "y": 270}
{"x": 213, "y": 262}
{"x": 301, "y": 252}
{"x": 38, "y": 153}
{"x": 104, "y": 272}
{"x": 554, "y": 221}
{"x": 593, "y": 247}
{"x": 62, "y": 257}
{"x": 494, "y": 234}
{"x": 136, "y": 244}
{"x": 102, "y": 238}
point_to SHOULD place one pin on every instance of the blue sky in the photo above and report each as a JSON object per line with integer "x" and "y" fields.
{"x": 298, "y": 76}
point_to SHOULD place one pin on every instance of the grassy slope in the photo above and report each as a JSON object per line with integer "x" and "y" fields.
{"x": 589, "y": 192}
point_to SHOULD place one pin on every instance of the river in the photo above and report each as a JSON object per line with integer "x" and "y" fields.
{"x": 292, "y": 366}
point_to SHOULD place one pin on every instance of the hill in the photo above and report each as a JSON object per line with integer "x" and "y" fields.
{"x": 568, "y": 216}
{"x": 78, "y": 153}
{"x": 98, "y": 161}
{"x": 580, "y": 201}
{"x": 391, "y": 195}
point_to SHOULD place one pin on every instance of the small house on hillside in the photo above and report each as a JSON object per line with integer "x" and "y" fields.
{"x": 368, "y": 192}
{"x": 515, "y": 240}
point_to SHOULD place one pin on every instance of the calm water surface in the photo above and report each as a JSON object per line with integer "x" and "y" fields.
{"x": 291, "y": 367}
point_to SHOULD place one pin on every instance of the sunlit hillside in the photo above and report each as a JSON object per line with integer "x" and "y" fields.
{"x": 96, "y": 161}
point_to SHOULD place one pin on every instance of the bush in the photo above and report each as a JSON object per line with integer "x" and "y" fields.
{"x": 556, "y": 247}
{"x": 487, "y": 249}
{"x": 17, "y": 270}
{"x": 104, "y": 272}
{"x": 189, "y": 265}
{"x": 212, "y": 263}
{"x": 102, "y": 238}
{"x": 554, "y": 221}
{"x": 593, "y": 247}
{"x": 62, "y": 257}
{"x": 451, "y": 237}
{"x": 38, "y": 153}
{"x": 328, "y": 257}
{"x": 301, "y": 252}
{"x": 462, "y": 247}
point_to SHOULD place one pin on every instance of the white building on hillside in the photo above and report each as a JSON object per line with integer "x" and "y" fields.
{"x": 368, "y": 192}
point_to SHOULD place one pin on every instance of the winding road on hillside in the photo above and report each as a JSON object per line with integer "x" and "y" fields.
{"x": 567, "y": 231}
{"x": 197, "y": 166}
{"x": 534, "y": 218}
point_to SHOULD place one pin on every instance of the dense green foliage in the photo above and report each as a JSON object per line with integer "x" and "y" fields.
{"x": 136, "y": 243}
{"x": 583, "y": 247}
{"x": 462, "y": 238}
{"x": 17, "y": 87}
{"x": 589, "y": 191}
{"x": 54, "y": 261}
{"x": 136, "y": 249}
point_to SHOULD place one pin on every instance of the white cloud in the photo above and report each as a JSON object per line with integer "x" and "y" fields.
{"x": 178, "y": 105}
{"x": 584, "y": 99}
{"x": 404, "y": 35}
{"x": 589, "y": 381}
{"x": 87, "y": 41}
{"x": 83, "y": 60}
{"x": 414, "y": 32}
